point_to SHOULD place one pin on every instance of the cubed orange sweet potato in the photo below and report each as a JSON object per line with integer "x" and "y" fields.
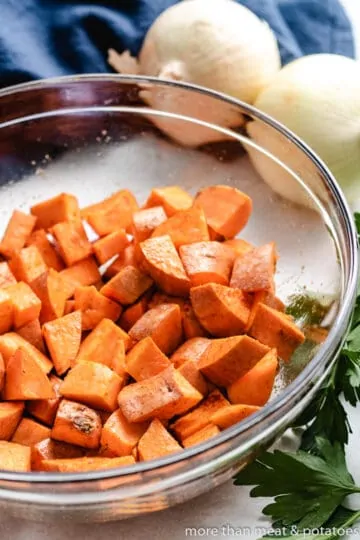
{"x": 14, "y": 457}
{"x": 93, "y": 384}
{"x": 160, "y": 259}
{"x": 192, "y": 349}
{"x": 48, "y": 449}
{"x": 72, "y": 242}
{"x": 63, "y": 337}
{"x": 125, "y": 258}
{"x": 162, "y": 324}
{"x": 95, "y": 307}
{"x": 26, "y": 305}
{"x": 6, "y": 311}
{"x": 200, "y": 436}
{"x": 51, "y": 289}
{"x": 191, "y": 372}
{"x": 33, "y": 334}
{"x": 77, "y": 424}
{"x": 232, "y": 414}
{"x": 191, "y": 325}
{"x": 69, "y": 307}
{"x": 10, "y": 415}
{"x": 11, "y": 342}
{"x": 45, "y": 409}
{"x": 84, "y": 464}
{"x": 228, "y": 359}
{"x": 276, "y": 330}
{"x": 133, "y": 313}
{"x": 273, "y": 301}
{"x": 255, "y": 387}
{"x": 27, "y": 264}
{"x": 6, "y": 276}
{"x": 239, "y": 246}
{"x": 172, "y": 198}
{"x": 25, "y": 379}
{"x": 127, "y": 286}
{"x": 120, "y": 436}
{"x": 145, "y": 359}
{"x": 145, "y": 222}
{"x": 254, "y": 271}
{"x": 112, "y": 214}
{"x": 207, "y": 262}
{"x": 185, "y": 227}
{"x": 63, "y": 207}
{"x": 200, "y": 417}
{"x": 107, "y": 247}
{"x": 2, "y": 373}
{"x": 162, "y": 396}
{"x": 47, "y": 250}
{"x": 222, "y": 311}
{"x": 17, "y": 232}
{"x": 83, "y": 273}
{"x": 157, "y": 442}
{"x": 227, "y": 209}
{"x": 30, "y": 432}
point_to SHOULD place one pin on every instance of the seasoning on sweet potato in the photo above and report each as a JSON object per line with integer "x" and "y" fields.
{"x": 145, "y": 222}
{"x": 192, "y": 349}
{"x": 159, "y": 298}
{"x": 112, "y": 214}
{"x": 93, "y": 384}
{"x": 227, "y": 209}
{"x": 2, "y": 372}
{"x": 27, "y": 264}
{"x": 10, "y": 342}
{"x": 232, "y": 414}
{"x": 276, "y": 330}
{"x": 30, "y": 432}
{"x": 207, "y": 262}
{"x": 162, "y": 396}
{"x": 25, "y": 379}
{"x": 52, "y": 291}
{"x": 157, "y": 442}
{"x": 107, "y": 247}
{"x": 72, "y": 242}
{"x": 255, "y": 387}
{"x": 6, "y": 311}
{"x": 161, "y": 260}
{"x": 26, "y": 305}
{"x": 254, "y": 271}
{"x": 222, "y": 311}
{"x": 145, "y": 359}
{"x": 77, "y": 424}
{"x": 33, "y": 334}
{"x": 162, "y": 324}
{"x": 83, "y": 273}
{"x": 120, "y": 436}
{"x": 185, "y": 227}
{"x": 63, "y": 337}
{"x": 94, "y": 307}
{"x": 45, "y": 409}
{"x": 126, "y": 257}
{"x": 127, "y": 286}
{"x": 83, "y": 464}
{"x": 63, "y": 207}
{"x": 273, "y": 301}
{"x": 228, "y": 359}
{"x": 172, "y": 198}
{"x": 191, "y": 326}
{"x": 200, "y": 417}
{"x": 200, "y": 436}
{"x": 239, "y": 246}
{"x": 10, "y": 415}
{"x": 48, "y": 449}
{"x": 47, "y": 251}
{"x": 6, "y": 276}
{"x": 14, "y": 457}
{"x": 17, "y": 232}
{"x": 133, "y": 313}
{"x": 191, "y": 372}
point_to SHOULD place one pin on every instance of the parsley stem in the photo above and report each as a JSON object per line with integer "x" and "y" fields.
{"x": 351, "y": 520}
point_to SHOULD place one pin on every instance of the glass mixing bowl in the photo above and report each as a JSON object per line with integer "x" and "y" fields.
{"x": 92, "y": 135}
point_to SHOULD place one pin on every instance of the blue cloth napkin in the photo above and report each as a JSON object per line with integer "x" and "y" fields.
{"x": 47, "y": 38}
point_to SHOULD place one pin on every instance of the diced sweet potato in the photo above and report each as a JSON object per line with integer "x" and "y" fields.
{"x": 191, "y": 326}
{"x": 192, "y": 349}
{"x": 185, "y": 227}
{"x": 63, "y": 207}
{"x": 69, "y": 307}
{"x": 63, "y": 337}
{"x": 127, "y": 286}
{"x": 6, "y": 276}
{"x": 25, "y": 379}
{"x": 227, "y": 209}
{"x": 45, "y": 409}
{"x": 145, "y": 222}
{"x": 111, "y": 214}
{"x": 14, "y": 457}
{"x": 11, "y": 342}
{"x": 33, "y": 334}
{"x": 232, "y": 414}
{"x": 51, "y": 289}
{"x": 127, "y": 257}
{"x": 254, "y": 271}
{"x": 77, "y": 424}
{"x": 162, "y": 324}
{"x": 17, "y": 232}
{"x": 157, "y": 442}
{"x": 83, "y": 464}
{"x": 161, "y": 260}
{"x": 120, "y": 436}
{"x": 200, "y": 417}
{"x": 30, "y": 432}
{"x": 2, "y": 373}
{"x": 228, "y": 359}
{"x": 273, "y": 301}
{"x": 191, "y": 372}
{"x": 200, "y": 436}
{"x": 172, "y": 198}
{"x": 27, "y": 264}
{"x": 161, "y": 396}
{"x": 47, "y": 251}
{"x": 95, "y": 307}
{"x": 145, "y": 359}
{"x": 133, "y": 313}
{"x": 277, "y": 331}
{"x": 94, "y": 384}
{"x": 26, "y": 305}
{"x": 72, "y": 242}
{"x": 83, "y": 273}
{"x": 6, "y": 311}
{"x": 10, "y": 415}
{"x": 222, "y": 311}
{"x": 107, "y": 247}
{"x": 239, "y": 246}
{"x": 255, "y": 387}
{"x": 207, "y": 262}
{"x": 48, "y": 449}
